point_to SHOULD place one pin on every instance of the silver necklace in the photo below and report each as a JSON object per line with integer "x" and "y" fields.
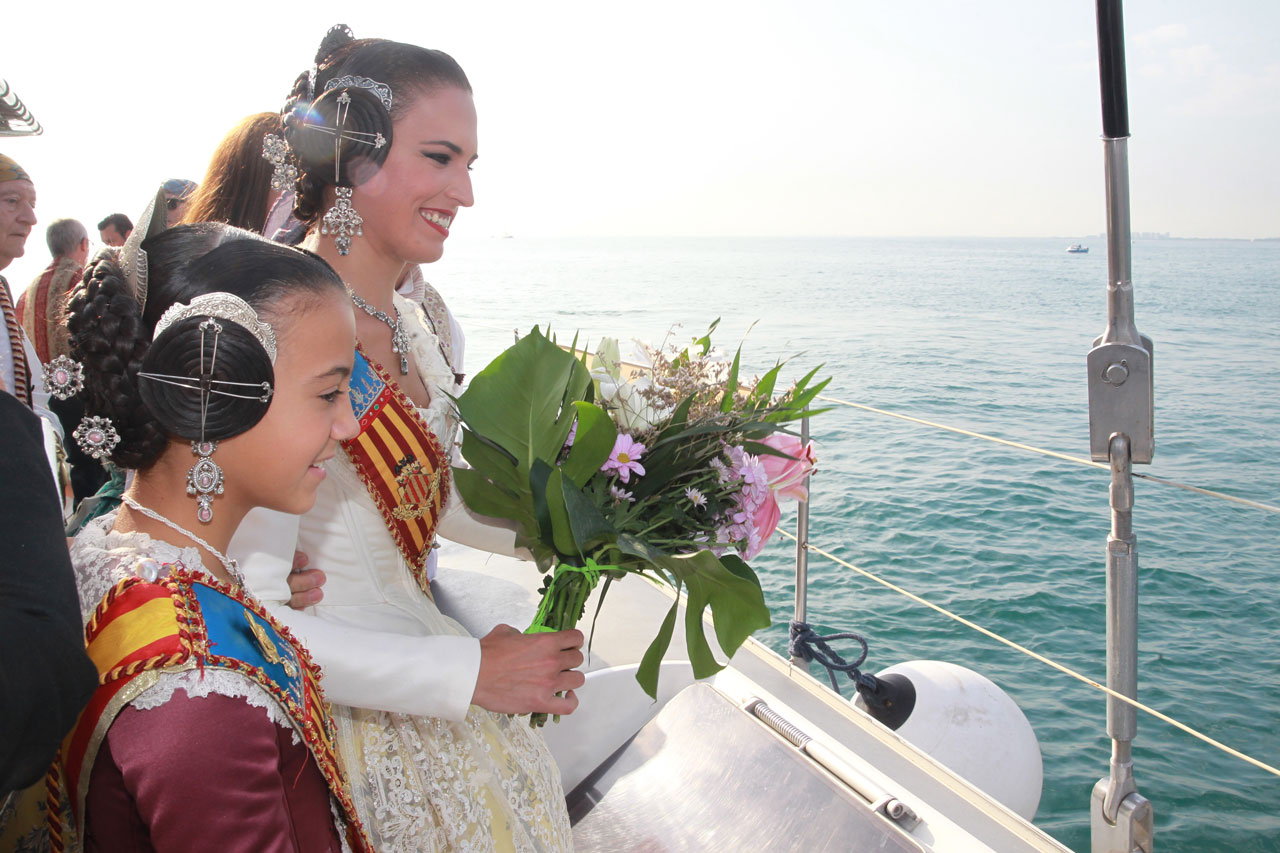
{"x": 399, "y": 337}
{"x": 232, "y": 567}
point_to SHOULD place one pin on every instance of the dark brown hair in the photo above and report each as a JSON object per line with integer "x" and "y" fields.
{"x": 237, "y": 186}
{"x": 115, "y": 339}
{"x": 410, "y": 71}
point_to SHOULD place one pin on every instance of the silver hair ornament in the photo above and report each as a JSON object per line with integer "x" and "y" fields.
{"x": 223, "y": 306}
{"x": 381, "y": 90}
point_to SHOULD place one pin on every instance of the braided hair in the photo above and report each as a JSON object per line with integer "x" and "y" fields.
{"x": 112, "y": 336}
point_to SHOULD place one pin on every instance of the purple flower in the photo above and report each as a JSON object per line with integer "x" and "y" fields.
{"x": 573, "y": 434}
{"x": 621, "y": 494}
{"x": 752, "y": 515}
{"x": 625, "y": 458}
{"x": 695, "y": 497}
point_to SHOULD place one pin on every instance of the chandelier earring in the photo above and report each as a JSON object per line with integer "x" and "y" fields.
{"x": 342, "y": 221}
{"x": 204, "y": 480}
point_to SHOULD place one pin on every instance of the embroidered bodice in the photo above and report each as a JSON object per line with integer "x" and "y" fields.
{"x": 103, "y": 557}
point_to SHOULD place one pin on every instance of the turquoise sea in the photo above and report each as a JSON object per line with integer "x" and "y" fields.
{"x": 991, "y": 335}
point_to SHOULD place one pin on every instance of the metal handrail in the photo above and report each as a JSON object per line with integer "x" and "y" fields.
{"x": 1063, "y": 668}
{"x": 1066, "y": 457}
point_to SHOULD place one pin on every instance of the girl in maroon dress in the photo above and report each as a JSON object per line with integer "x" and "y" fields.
{"x": 208, "y": 731}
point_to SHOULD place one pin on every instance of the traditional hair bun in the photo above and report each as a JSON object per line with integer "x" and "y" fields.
{"x": 365, "y": 126}
{"x": 109, "y": 337}
{"x": 112, "y": 337}
{"x": 336, "y": 37}
{"x": 402, "y": 71}
{"x": 239, "y": 358}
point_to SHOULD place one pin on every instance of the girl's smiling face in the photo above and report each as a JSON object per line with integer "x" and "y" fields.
{"x": 410, "y": 203}
{"x": 279, "y": 463}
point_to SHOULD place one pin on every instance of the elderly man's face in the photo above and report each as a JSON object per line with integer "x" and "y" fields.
{"x": 17, "y": 218}
{"x": 110, "y": 236}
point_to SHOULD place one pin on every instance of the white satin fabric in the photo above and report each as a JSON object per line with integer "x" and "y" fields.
{"x": 429, "y": 770}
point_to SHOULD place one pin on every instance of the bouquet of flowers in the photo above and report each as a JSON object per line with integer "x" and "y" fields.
{"x": 670, "y": 468}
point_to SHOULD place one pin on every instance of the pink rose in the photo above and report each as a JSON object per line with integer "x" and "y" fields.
{"x": 787, "y": 475}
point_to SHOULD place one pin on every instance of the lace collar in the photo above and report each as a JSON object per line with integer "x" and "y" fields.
{"x": 103, "y": 557}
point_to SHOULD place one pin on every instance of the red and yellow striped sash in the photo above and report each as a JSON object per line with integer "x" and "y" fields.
{"x": 184, "y": 621}
{"x": 400, "y": 461}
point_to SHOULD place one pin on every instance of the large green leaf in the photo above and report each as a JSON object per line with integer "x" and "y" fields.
{"x": 592, "y": 444}
{"x": 539, "y": 474}
{"x": 515, "y": 413}
{"x": 486, "y": 498}
{"x": 561, "y": 529}
{"x": 590, "y": 528}
{"x": 523, "y": 402}
{"x": 737, "y": 607}
{"x": 491, "y": 460}
{"x": 647, "y": 674}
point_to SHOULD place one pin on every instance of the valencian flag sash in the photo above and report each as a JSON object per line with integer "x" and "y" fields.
{"x": 400, "y": 462}
{"x": 190, "y": 621}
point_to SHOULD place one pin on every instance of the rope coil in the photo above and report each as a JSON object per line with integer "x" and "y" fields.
{"x": 810, "y": 646}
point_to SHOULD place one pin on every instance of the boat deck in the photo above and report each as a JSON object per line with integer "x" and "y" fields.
{"x": 693, "y": 771}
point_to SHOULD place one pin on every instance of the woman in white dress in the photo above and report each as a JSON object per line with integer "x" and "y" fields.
{"x": 383, "y": 135}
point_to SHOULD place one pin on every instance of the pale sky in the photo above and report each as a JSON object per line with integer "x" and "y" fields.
{"x": 832, "y": 117}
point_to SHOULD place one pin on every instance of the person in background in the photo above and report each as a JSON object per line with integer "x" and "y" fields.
{"x": 20, "y": 371}
{"x": 40, "y": 308}
{"x": 45, "y": 675}
{"x": 114, "y": 230}
{"x": 237, "y": 188}
{"x": 177, "y": 195}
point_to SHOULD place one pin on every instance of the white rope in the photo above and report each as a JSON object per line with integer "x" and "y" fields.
{"x": 1037, "y": 656}
{"x": 1055, "y": 454}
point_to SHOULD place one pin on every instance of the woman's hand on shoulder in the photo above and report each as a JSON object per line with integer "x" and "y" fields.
{"x": 523, "y": 673}
{"x": 304, "y": 584}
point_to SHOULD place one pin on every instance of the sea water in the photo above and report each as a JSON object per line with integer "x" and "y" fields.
{"x": 991, "y": 335}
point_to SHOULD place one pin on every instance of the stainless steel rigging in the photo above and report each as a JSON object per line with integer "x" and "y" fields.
{"x": 1122, "y": 432}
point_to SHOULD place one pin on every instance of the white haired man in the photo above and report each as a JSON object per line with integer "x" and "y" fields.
{"x": 40, "y": 308}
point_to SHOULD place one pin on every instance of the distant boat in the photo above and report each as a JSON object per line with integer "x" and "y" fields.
{"x": 1077, "y": 249}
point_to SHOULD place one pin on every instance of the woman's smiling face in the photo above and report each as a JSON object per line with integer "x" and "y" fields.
{"x": 409, "y": 205}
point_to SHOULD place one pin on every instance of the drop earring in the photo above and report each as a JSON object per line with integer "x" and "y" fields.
{"x": 342, "y": 221}
{"x": 204, "y": 480}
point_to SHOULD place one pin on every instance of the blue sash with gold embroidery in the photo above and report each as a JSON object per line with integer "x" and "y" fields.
{"x": 189, "y": 621}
